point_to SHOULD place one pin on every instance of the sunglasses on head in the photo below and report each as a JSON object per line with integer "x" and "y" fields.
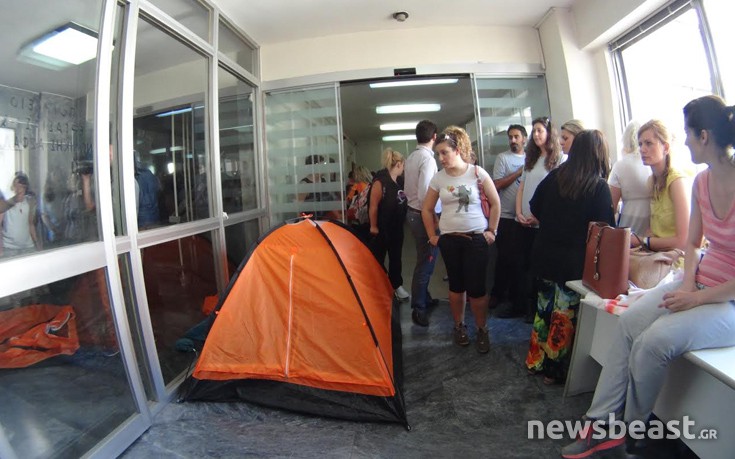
{"x": 446, "y": 137}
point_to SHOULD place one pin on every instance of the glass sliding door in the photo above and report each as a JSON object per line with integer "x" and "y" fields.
{"x": 505, "y": 101}
{"x": 303, "y": 138}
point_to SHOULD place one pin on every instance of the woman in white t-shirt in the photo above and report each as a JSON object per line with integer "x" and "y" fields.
{"x": 466, "y": 233}
{"x": 629, "y": 181}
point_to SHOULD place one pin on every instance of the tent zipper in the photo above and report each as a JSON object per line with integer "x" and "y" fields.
{"x": 290, "y": 315}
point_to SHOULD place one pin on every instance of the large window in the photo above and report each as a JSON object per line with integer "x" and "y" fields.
{"x": 666, "y": 61}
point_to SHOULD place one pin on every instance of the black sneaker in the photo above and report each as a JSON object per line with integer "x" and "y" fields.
{"x": 460, "y": 335}
{"x": 420, "y": 318}
{"x": 589, "y": 445}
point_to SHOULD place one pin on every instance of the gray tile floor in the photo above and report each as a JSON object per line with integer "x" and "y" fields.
{"x": 460, "y": 404}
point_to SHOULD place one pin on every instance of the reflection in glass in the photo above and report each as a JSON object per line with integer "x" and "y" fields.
{"x": 236, "y": 48}
{"x": 506, "y": 101}
{"x": 237, "y": 148}
{"x": 191, "y": 13}
{"x": 46, "y": 132}
{"x": 171, "y": 164}
{"x": 64, "y": 385}
{"x": 239, "y": 240}
{"x": 179, "y": 276}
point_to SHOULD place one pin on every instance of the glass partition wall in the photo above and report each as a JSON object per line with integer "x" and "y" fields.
{"x": 113, "y": 226}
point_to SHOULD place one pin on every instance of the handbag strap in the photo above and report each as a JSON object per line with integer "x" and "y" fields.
{"x": 479, "y": 184}
{"x": 596, "y": 259}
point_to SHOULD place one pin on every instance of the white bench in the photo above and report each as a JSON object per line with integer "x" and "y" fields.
{"x": 699, "y": 384}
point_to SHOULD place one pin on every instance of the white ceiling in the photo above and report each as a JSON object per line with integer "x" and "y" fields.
{"x": 274, "y": 21}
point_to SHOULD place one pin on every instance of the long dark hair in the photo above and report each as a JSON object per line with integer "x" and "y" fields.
{"x": 588, "y": 163}
{"x": 712, "y": 114}
{"x": 552, "y": 146}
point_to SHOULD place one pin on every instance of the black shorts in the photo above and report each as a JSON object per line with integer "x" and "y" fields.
{"x": 465, "y": 257}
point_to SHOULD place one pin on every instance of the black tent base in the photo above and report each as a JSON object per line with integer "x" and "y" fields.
{"x": 302, "y": 399}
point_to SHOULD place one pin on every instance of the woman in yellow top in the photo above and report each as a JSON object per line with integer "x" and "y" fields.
{"x": 670, "y": 202}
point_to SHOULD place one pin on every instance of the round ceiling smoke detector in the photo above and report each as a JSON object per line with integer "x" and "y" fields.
{"x": 400, "y": 16}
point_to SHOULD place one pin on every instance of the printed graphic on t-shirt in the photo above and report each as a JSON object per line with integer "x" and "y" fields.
{"x": 463, "y": 193}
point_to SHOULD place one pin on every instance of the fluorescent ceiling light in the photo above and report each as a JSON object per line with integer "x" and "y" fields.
{"x": 158, "y": 151}
{"x": 398, "y": 126}
{"x": 407, "y": 108}
{"x": 174, "y": 112}
{"x": 70, "y": 44}
{"x": 392, "y": 84}
{"x": 392, "y": 138}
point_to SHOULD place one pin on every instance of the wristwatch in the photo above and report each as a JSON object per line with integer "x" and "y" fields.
{"x": 494, "y": 231}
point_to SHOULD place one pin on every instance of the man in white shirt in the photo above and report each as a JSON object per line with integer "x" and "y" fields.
{"x": 420, "y": 167}
{"x": 507, "y": 173}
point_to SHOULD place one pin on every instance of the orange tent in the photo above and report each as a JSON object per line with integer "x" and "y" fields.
{"x": 308, "y": 324}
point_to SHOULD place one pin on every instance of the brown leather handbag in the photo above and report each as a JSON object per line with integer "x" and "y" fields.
{"x": 606, "y": 260}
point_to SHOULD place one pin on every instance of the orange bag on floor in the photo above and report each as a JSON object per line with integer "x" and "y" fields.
{"x": 30, "y": 334}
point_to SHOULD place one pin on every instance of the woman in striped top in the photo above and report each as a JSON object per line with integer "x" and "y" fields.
{"x": 674, "y": 318}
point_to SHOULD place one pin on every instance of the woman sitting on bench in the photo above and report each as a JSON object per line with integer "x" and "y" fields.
{"x": 670, "y": 202}
{"x": 677, "y": 317}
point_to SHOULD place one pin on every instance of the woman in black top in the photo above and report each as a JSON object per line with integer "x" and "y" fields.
{"x": 387, "y": 210}
{"x": 564, "y": 203}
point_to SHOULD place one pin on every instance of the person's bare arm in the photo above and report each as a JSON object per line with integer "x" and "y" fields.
{"x": 508, "y": 180}
{"x": 376, "y": 194}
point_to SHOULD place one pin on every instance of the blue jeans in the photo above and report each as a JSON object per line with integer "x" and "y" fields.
{"x": 425, "y": 258}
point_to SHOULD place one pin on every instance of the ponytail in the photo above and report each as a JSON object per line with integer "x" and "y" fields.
{"x": 391, "y": 158}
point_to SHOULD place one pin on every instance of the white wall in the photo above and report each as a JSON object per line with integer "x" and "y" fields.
{"x": 399, "y": 48}
{"x": 571, "y": 73}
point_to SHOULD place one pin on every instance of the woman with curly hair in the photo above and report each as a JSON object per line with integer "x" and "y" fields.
{"x": 564, "y": 203}
{"x": 466, "y": 233}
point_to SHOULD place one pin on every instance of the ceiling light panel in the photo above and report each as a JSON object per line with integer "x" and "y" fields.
{"x": 397, "y": 137}
{"x": 398, "y": 126}
{"x": 393, "y": 84}
{"x": 71, "y": 43}
{"x": 407, "y": 108}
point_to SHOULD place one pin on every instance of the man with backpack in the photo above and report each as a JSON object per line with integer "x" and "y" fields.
{"x": 419, "y": 169}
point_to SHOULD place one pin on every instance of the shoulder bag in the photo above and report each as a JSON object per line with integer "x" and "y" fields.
{"x": 483, "y": 199}
{"x": 606, "y": 260}
{"x": 647, "y": 268}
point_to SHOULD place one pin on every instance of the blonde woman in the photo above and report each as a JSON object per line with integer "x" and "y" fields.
{"x": 466, "y": 233}
{"x": 629, "y": 181}
{"x": 569, "y": 130}
{"x": 387, "y": 210}
{"x": 670, "y": 203}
